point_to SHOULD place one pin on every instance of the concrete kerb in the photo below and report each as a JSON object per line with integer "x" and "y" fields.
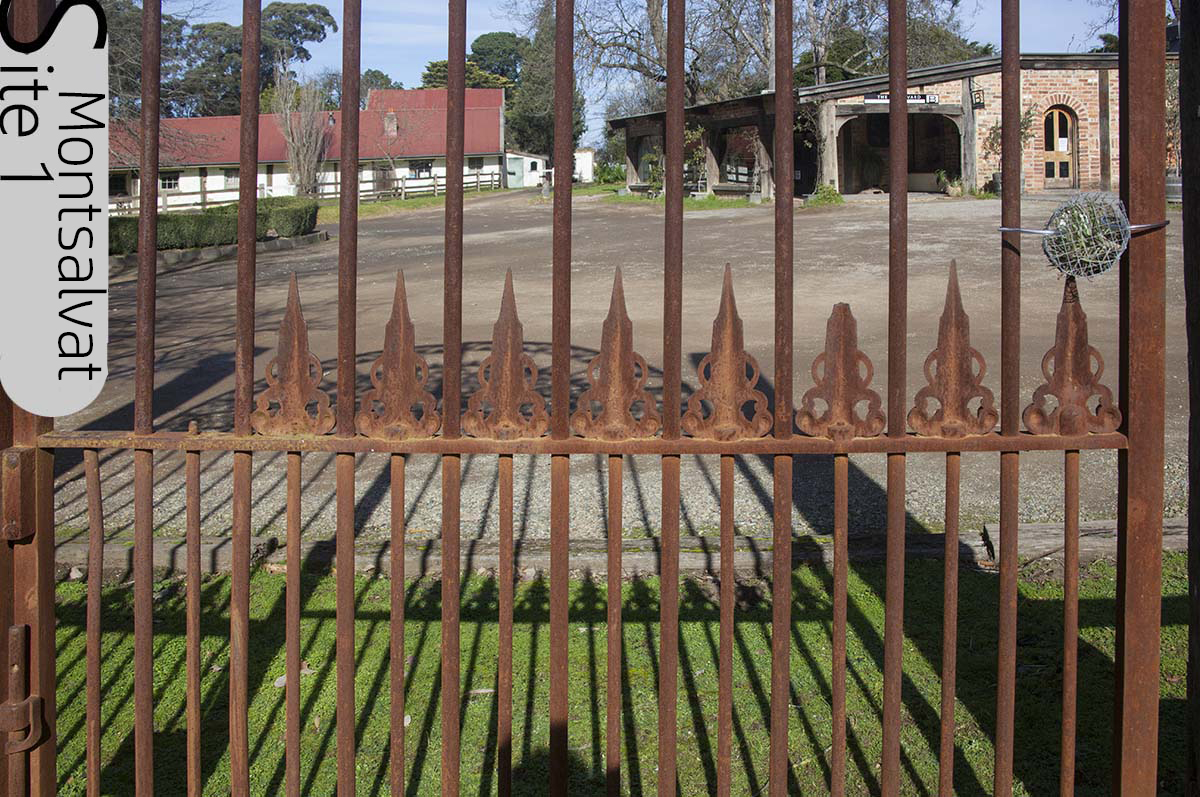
{"x": 175, "y": 258}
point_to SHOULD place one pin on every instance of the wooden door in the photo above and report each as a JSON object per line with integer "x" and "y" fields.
{"x": 1059, "y": 149}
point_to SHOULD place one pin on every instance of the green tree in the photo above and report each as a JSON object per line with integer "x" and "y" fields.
{"x": 125, "y": 62}
{"x": 377, "y": 79}
{"x": 211, "y": 85}
{"x": 530, "y": 112}
{"x": 436, "y": 75}
{"x": 500, "y": 53}
{"x": 1109, "y": 43}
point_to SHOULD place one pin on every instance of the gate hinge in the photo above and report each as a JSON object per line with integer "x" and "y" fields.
{"x": 19, "y": 715}
{"x": 16, "y": 486}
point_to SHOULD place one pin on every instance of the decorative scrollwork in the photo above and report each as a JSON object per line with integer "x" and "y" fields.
{"x": 617, "y": 377}
{"x": 724, "y": 383}
{"x": 953, "y": 384}
{"x": 398, "y": 377}
{"x": 1071, "y": 379}
{"x": 506, "y": 381}
{"x": 293, "y": 381}
{"x": 841, "y": 384}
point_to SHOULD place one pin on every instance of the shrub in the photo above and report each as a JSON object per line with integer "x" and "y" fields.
{"x": 824, "y": 195}
{"x": 261, "y": 223}
{"x": 298, "y": 217}
{"x": 610, "y": 173}
{"x": 215, "y": 226}
{"x": 122, "y": 235}
{"x": 175, "y": 231}
{"x": 192, "y": 230}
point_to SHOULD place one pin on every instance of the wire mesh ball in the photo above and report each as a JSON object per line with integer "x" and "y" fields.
{"x": 1087, "y": 234}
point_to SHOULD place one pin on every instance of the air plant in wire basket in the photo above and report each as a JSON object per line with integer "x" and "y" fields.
{"x": 1085, "y": 236}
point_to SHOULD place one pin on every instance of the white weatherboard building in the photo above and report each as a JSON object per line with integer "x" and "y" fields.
{"x": 402, "y": 151}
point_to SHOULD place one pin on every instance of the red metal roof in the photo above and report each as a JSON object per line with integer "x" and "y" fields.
{"x": 420, "y": 131}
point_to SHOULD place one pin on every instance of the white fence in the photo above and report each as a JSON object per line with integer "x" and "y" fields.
{"x": 369, "y": 189}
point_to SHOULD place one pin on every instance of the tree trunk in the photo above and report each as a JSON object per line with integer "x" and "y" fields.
{"x": 827, "y": 170}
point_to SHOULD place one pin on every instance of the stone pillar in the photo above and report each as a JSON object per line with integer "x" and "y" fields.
{"x": 631, "y": 158}
{"x": 203, "y": 187}
{"x": 712, "y": 161}
{"x": 828, "y": 138}
{"x": 764, "y": 160}
{"x": 969, "y": 138}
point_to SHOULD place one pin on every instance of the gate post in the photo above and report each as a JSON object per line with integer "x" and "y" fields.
{"x": 1142, "y": 383}
{"x": 27, "y": 708}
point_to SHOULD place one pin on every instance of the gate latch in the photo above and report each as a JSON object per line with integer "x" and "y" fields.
{"x": 18, "y": 715}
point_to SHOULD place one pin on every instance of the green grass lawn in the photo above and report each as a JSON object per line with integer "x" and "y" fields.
{"x": 689, "y": 202}
{"x": 1038, "y": 689}
{"x": 328, "y": 212}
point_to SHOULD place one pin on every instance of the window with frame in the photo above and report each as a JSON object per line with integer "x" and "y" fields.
{"x": 168, "y": 181}
{"x": 533, "y": 166}
{"x": 118, "y": 184}
{"x": 232, "y": 177}
{"x": 420, "y": 169}
{"x": 475, "y": 164}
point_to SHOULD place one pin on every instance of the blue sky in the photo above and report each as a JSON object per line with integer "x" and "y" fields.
{"x": 401, "y": 36}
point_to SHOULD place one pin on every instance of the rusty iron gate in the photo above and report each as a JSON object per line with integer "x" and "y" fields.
{"x": 506, "y": 418}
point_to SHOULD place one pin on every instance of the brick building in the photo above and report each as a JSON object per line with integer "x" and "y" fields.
{"x": 1071, "y": 130}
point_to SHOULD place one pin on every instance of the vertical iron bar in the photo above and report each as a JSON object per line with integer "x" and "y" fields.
{"x": 781, "y": 575}
{"x": 239, "y": 628}
{"x": 451, "y": 494}
{"x": 1006, "y": 664}
{"x": 344, "y": 588}
{"x": 346, "y": 373}
{"x": 143, "y": 405}
{"x": 560, "y": 385}
{"x": 1070, "y": 620}
{"x": 239, "y": 608}
{"x": 612, "y": 750}
{"x": 192, "y": 477}
{"x": 841, "y": 533}
{"x": 725, "y": 649}
{"x": 1189, "y": 156}
{"x": 893, "y": 634}
{"x": 452, "y": 387}
{"x": 505, "y": 654}
{"x": 1142, "y": 388}
{"x": 949, "y": 625}
{"x": 143, "y": 621}
{"x": 95, "y": 578}
{"x": 1010, "y": 387}
{"x": 668, "y": 665}
{"x": 560, "y": 472}
{"x": 292, "y": 628}
{"x": 668, "y": 675}
{"x": 396, "y": 632}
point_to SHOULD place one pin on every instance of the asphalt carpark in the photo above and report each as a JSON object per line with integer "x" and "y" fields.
{"x": 841, "y": 255}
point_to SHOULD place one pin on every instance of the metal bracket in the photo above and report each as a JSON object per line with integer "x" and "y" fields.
{"x": 17, "y": 715}
{"x": 1154, "y": 225}
{"x": 16, "y": 485}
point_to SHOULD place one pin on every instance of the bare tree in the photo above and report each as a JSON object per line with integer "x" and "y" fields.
{"x": 299, "y": 107}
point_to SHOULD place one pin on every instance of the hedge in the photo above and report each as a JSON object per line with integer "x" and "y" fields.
{"x": 294, "y": 218}
{"x": 216, "y": 226}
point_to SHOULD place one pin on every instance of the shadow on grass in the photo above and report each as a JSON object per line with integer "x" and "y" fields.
{"x": 1037, "y": 719}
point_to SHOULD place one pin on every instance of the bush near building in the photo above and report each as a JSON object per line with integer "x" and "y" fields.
{"x": 287, "y": 216}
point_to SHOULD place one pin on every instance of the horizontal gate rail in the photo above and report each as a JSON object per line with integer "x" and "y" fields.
{"x": 217, "y": 441}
